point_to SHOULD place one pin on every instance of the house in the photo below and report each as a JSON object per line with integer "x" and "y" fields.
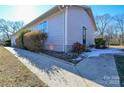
{"x": 65, "y": 25}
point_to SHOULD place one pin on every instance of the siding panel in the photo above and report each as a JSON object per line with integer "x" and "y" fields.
{"x": 77, "y": 18}
{"x": 56, "y": 31}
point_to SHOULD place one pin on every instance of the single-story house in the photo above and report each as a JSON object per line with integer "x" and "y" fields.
{"x": 65, "y": 25}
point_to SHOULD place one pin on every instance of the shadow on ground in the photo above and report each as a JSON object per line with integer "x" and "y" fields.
{"x": 100, "y": 70}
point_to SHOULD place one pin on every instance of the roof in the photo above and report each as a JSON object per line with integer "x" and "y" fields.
{"x": 58, "y": 8}
{"x": 45, "y": 15}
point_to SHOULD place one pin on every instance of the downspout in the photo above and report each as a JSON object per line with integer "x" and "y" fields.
{"x": 60, "y": 8}
{"x": 65, "y": 26}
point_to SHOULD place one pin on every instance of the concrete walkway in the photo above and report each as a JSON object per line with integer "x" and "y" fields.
{"x": 101, "y": 69}
{"x": 55, "y": 72}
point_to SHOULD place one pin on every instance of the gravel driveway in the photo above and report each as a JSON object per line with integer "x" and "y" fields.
{"x": 55, "y": 72}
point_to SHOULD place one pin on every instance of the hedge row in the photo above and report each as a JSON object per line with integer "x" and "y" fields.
{"x": 31, "y": 40}
{"x": 34, "y": 41}
{"x": 19, "y": 38}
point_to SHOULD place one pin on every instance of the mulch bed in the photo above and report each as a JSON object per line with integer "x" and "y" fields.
{"x": 64, "y": 56}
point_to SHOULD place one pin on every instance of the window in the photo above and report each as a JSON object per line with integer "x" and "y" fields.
{"x": 43, "y": 26}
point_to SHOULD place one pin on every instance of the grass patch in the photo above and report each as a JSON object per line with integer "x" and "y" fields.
{"x": 14, "y": 74}
{"x": 120, "y": 67}
{"x": 121, "y": 47}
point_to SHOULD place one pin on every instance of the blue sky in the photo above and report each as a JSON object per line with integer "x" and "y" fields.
{"x": 28, "y": 13}
{"x": 111, "y": 9}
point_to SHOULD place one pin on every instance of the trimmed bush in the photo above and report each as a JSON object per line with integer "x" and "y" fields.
{"x": 19, "y": 38}
{"x": 34, "y": 41}
{"x": 100, "y": 43}
{"x": 44, "y": 36}
{"x": 7, "y": 43}
{"x": 78, "y": 48}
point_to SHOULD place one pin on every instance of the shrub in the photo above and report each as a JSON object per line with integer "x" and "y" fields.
{"x": 78, "y": 48}
{"x": 91, "y": 46}
{"x": 100, "y": 43}
{"x": 44, "y": 36}
{"x": 7, "y": 42}
{"x": 19, "y": 38}
{"x": 34, "y": 41}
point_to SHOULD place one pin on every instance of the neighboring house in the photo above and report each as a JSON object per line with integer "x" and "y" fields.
{"x": 65, "y": 25}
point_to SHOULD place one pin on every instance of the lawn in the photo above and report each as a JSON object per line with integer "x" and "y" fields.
{"x": 120, "y": 67}
{"x": 121, "y": 47}
{"x": 14, "y": 73}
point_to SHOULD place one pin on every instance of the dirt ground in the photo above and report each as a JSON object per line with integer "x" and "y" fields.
{"x": 14, "y": 74}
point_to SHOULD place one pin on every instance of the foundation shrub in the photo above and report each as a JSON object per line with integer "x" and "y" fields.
{"x": 78, "y": 48}
{"x": 34, "y": 41}
{"x": 19, "y": 38}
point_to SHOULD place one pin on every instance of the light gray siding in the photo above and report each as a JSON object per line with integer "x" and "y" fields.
{"x": 77, "y": 18}
{"x": 56, "y": 32}
{"x": 65, "y": 28}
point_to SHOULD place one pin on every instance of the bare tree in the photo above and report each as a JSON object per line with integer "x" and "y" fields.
{"x": 119, "y": 19}
{"x": 8, "y": 28}
{"x": 102, "y": 23}
{"x": 15, "y": 26}
{"x": 4, "y": 29}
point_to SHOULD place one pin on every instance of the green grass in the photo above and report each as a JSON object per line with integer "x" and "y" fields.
{"x": 14, "y": 74}
{"x": 120, "y": 67}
